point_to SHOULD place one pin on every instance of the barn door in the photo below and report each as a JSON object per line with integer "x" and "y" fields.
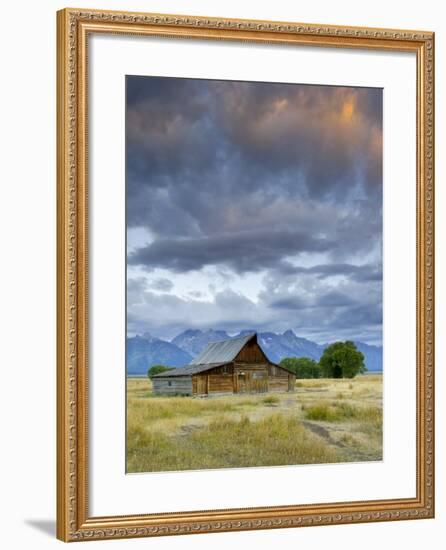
{"x": 202, "y": 387}
{"x": 242, "y": 385}
{"x": 259, "y": 382}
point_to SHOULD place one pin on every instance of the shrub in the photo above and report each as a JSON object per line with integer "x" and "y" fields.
{"x": 271, "y": 400}
{"x": 157, "y": 369}
{"x": 338, "y": 412}
{"x": 303, "y": 367}
{"x": 322, "y": 412}
{"x": 342, "y": 360}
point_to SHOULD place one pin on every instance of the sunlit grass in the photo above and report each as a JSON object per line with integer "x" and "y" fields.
{"x": 335, "y": 411}
{"x": 323, "y": 421}
{"x": 271, "y": 400}
{"x": 226, "y": 443}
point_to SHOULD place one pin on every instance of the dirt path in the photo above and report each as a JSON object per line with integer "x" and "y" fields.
{"x": 324, "y": 433}
{"x": 351, "y": 454}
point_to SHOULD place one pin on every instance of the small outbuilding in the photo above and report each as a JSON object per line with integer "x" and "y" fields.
{"x": 236, "y": 365}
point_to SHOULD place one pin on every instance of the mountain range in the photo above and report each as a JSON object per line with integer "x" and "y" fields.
{"x": 146, "y": 350}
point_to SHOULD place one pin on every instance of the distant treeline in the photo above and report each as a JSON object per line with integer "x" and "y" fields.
{"x": 339, "y": 360}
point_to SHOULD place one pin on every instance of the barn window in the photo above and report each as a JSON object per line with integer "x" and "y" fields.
{"x": 169, "y": 382}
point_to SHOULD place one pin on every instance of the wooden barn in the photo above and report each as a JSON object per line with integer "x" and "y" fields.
{"x": 236, "y": 365}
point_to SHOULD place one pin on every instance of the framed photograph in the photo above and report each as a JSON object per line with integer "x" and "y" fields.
{"x": 245, "y": 275}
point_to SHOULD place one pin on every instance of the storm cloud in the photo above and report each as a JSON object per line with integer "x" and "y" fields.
{"x": 248, "y": 251}
{"x": 273, "y": 185}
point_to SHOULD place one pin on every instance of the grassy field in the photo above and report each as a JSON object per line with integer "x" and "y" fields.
{"x": 323, "y": 421}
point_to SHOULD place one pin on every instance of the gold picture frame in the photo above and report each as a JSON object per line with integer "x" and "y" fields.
{"x": 73, "y": 520}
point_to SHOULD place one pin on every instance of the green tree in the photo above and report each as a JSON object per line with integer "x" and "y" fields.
{"x": 342, "y": 360}
{"x": 157, "y": 369}
{"x": 303, "y": 367}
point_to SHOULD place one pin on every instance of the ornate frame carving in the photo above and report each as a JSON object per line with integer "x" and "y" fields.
{"x": 73, "y": 520}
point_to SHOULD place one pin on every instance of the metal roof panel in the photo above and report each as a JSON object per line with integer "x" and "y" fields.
{"x": 223, "y": 351}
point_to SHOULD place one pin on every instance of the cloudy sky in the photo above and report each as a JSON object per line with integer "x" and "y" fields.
{"x": 254, "y": 205}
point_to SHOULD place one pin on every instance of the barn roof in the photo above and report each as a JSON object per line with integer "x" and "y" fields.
{"x": 188, "y": 370}
{"x": 215, "y": 354}
{"x": 223, "y": 351}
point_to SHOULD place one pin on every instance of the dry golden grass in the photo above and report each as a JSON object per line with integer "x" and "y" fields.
{"x": 322, "y": 421}
{"x": 228, "y": 443}
{"x": 336, "y": 411}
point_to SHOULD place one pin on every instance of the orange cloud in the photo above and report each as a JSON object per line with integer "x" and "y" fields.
{"x": 348, "y": 109}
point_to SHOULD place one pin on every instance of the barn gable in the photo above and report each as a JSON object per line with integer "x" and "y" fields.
{"x": 215, "y": 354}
{"x": 251, "y": 352}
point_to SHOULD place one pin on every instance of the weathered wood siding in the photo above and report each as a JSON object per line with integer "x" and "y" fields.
{"x": 221, "y": 383}
{"x": 259, "y": 375}
{"x": 251, "y": 372}
{"x": 200, "y": 384}
{"x": 175, "y": 385}
{"x": 250, "y": 378}
{"x": 251, "y": 353}
{"x": 280, "y": 379}
{"x": 217, "y": 380}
